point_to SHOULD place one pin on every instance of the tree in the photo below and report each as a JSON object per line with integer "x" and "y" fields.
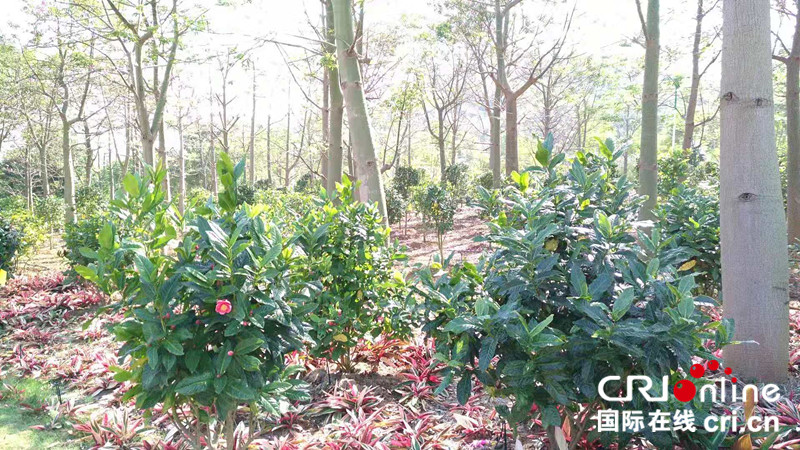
{"x": 697, "y": 74}
{"x": 752, "y": 220}
{"x": 140, "y": 32}
{"x": 364, "y": 160}
{"x": 335, "y": 104}
{"x": 792, "y": 62}
{"x": 71, "y": 68}
{"x": 531, "y": 64}
{"x": 443, "y": 81}
{"x": 648, "y": 148}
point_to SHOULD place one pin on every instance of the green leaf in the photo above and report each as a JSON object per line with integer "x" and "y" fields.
{"x": 540, "y": 326}
{"x": 248, "y": 345}
{"x": 464, "y": 388}
{"x": 173, "y": 347}
{"x": 239, "y": 390}
{"x": 487, "y": 351}
{"x": 602, "y": 224}
{"x": 87, "y": 273}
{"x": 192, "y": 359}
{"x": 622, "y": 304}
{"x": 131, "y": 185}
{"x": 194, "y": 384}
{"x": 248, "y": 362}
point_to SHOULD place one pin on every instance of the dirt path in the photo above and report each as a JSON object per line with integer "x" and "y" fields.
{"x": 467, "y": 225}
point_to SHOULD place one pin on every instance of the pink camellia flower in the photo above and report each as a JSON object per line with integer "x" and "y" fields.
{"x": 223, "y": 307}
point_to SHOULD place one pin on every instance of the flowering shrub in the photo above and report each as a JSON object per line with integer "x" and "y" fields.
{"x": 566, "y": 298}
{"x": 209, "y": 321}
{"x": 348, "y": 250}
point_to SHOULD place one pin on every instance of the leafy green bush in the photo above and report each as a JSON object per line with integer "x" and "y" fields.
{"x": 686, "y": 167}
{"x": 30, "y": 229}
{"x": 50, "y": 210}
{"x": 262, "y": 185}
{"x": 566, "y": 298}
{"x": 82, "y": 235}
{"x": 405, "y": 179}
{"x": 348, "y": 249}
{"x": 10, "y": 243}
{"x": 308, "y": 183}
{"x": 486, "y": 181}
{"x": 458, "y": 183}
{"x": 396, "y": 205}
{"x": 197, "y": 196}
{"x": 688, "y": 221}
{"x": 209, "y": 324}
{"x": 90, "y": 201}
{"x": 438, "y": 208}
{"x": 245, "y": 194}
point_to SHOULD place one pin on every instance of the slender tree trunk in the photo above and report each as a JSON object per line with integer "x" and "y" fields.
{"x": 28, "y": 179}
{"x": 498, "y": 93}
{"x": 365, "y": 162}
{"x": 162, "y": 159}
{"x": 512, "y": 157}
{"x": 408, "y": 131}
{"x": 753, "y": 223}
{"x": 691, "y": 107}
{"x": 69, "y": 173}
{"x": 211, "y": 147}
{"x": 336, "y": 109}
{"x": 111, "y": 184}
{"x": 181, "y": 167}
{"x": 253, "y": 135}
{"x": 288, "y": 147}
{"x": 648, "y": 149}
{"x": 269, "y": 150}
{"x": 326, "y": 128}
{"x": 43, "y": 170}
{"x": 792, "y": 62}
{"x": 89, "y": 152}
{"x": 440, "y": 138}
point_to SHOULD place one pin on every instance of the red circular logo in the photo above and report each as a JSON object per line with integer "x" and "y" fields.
{"x": 684, "y": 390}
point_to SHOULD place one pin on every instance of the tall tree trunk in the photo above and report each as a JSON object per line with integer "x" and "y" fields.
{"x": 89, "y": 152}
{"x": 753, "y": 223}
{"x": 440, "y": 138}
{"x": 253, "y": 135}
{"x": 792, "y": 62}
{"x": 181, "y": 167}
{"x": 648, "y": 149}
{"x": 512, "y": 157}
{"x": 365, "y": 161}
{"x": 111, "y": 184}
{"x": 691, "y": 107}
{"x": 326, "y": 127}
{"x": 28, "y": 179}
{"x": 500, "y": 49}
{"x": 269, "y": 150}
{"x": 336, "y": 109}
{"x": 69, "y": 173}
{"x": 211, "y": 147}
{"x": 43, "y": 169}
{"x": 288, "y": 146}
{"x": 162, "y": 159}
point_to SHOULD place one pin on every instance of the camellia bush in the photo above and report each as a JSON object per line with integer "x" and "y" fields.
{"x": 209, "y": 314}
{"x": 10, "y": 242}
{"x": 348, "y": 250}
{"x": 689, "y": 218}
{"x": 566, "y": 298}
